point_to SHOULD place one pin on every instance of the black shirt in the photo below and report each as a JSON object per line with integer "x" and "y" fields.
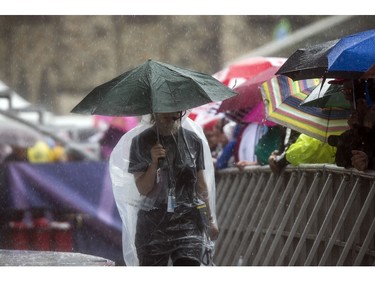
{"x": 178, "y": 170}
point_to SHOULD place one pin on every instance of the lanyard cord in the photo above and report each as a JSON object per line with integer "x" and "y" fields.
{"x": 170, "y": 167}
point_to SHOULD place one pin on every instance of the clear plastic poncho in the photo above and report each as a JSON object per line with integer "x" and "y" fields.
{"x": 129, "y": 201}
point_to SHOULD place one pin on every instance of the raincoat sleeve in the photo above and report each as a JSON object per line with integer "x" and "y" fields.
{"x": 125, "y": 192}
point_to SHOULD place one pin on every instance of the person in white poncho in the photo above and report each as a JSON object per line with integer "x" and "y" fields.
{"x": 163, "y": 182}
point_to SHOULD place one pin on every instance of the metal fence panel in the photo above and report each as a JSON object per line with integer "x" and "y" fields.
{"x": 306, "y": 215}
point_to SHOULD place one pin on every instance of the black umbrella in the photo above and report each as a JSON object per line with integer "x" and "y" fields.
{"x": 307, "y": 63}
{"x": 153, "y": 87}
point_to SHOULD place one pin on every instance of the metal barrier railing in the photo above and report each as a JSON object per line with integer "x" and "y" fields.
{"x": 307, "y": 215}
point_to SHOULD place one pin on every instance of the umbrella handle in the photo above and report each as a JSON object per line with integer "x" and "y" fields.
{"x": 157, "y": 131}
{"x": 353, "y": 91}
{"x": 367, "y": 94}
{"x": 157, "y": 135}
{"x": 160, "y": 160}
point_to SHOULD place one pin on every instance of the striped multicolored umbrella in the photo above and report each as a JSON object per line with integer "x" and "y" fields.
{"x": 282, "y": 98}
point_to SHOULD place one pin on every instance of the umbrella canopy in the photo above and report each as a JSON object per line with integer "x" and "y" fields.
{"x": 257, "y": 115}
{"x": 282, "y": 97}
{"x": 327, "y": 95}
{"x": 237, "y": 73}
{"x": 348, "y": 57}
{"x": 206, "y": 113}
{"x": 248, "y": 92}
{"x": 307, "y": 63}
{"x": 353, "y": 55}
{"x": 153, "y": 87}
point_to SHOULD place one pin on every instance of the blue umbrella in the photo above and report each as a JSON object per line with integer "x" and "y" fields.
{"x": 349, "y": 57}
{"x": 354, "y": 54}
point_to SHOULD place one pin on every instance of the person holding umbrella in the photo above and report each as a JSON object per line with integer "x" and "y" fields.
{"x": 363, "y": 158}
{"x": 167, "y": 162}
{"x": 355, "y": 146}
{"x": 162, "y": 172}
{"x": 164, "y": 185}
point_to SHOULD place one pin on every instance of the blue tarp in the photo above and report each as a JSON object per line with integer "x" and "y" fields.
{"x": 79, "y": 187}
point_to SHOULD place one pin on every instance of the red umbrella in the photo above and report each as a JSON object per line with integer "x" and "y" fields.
{"x": 206, "y": 113}
{"x": 248, "y": 92}
{"x": 237, "y": 73}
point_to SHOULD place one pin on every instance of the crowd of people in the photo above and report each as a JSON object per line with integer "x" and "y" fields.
{"x": 238, "y": 144}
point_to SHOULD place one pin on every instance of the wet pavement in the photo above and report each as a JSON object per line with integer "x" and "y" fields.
{"x": 50, "y": 258}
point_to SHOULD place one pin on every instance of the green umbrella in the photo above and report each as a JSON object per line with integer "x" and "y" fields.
{"x": 153, "y": 87}
{"x": 327, "y": 95}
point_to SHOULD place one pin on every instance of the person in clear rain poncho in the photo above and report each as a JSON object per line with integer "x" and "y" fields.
{"x": 163, "y": 182}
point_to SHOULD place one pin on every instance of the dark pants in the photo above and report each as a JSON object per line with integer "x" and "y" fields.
{"x": 161, "y": 235}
